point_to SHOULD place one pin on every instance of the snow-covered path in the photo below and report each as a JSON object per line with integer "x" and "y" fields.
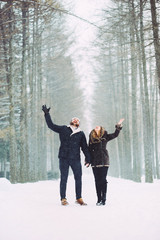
{"x": 32, "y": 211}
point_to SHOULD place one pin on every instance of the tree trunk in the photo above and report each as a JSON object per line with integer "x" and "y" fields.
{"x": 157, "y": 162}
{"x": 10, "y": 77}
{"x": 126, "y": 143}
{"x": 135, "y": 145}
{"x": 155, "y": 27}
{"x": 146, "y": 112}
{"x": 116, "y": 169}
{"x": 24, "y": 157}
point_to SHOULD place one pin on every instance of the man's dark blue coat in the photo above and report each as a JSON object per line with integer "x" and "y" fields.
{"x": 70, "y": 144}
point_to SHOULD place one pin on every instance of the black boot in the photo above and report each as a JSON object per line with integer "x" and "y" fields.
{"x": 104, "y": 193}
{"x": 98, "y": 191}
{"x": 99, "y": 198}
{"x": 104, "y": 199}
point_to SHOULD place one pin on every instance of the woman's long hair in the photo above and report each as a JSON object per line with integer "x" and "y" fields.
{"x": 95, "y": 137}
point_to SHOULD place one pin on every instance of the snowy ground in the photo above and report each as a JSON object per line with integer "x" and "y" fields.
{"x": 32, "y": 211}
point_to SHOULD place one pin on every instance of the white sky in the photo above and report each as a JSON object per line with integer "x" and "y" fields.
{"x": 83, "y": 51}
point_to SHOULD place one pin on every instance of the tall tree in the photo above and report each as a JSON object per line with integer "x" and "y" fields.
{"x": 155, "y": 28}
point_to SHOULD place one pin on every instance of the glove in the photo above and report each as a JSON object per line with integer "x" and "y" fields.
{"x": 118, "y": 126}
{"x": 45, "y": 109}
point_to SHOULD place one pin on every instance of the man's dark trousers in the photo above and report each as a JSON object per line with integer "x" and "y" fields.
{"x": 76, "y": 167}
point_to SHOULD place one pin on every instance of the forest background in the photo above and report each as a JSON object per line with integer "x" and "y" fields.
{"x": 112, "y": 72}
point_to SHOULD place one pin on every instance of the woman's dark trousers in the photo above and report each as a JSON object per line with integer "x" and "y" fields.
{"x": 76, "y": 167}
{"x": 100, "y": 175}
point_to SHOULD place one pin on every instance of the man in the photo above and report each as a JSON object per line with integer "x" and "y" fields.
{"x": 72, "y": 139}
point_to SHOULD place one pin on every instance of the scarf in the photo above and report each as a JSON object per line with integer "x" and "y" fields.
{"x": 74, "y": 129}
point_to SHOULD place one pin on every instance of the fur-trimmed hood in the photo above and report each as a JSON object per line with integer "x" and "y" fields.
{"x": 94, "y": 138}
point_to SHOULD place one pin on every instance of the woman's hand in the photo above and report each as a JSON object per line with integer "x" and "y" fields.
{"x": 120, "y": 121}
{"x": 119, "y": 124}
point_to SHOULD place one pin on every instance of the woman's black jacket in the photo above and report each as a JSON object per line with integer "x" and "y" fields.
{"x": 70, "y": 144}
{"x": 97, "y": 148}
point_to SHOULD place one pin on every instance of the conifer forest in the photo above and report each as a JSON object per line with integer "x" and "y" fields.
{"x": 115, "y": 75}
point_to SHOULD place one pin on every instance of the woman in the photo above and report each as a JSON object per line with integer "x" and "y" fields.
{"x": 98, "y": 139}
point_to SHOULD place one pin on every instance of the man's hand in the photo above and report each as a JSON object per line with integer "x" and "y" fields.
{"x": 45, "y": 109}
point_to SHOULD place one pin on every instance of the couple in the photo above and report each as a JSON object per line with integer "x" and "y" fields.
{"x": 72, "y": 139}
